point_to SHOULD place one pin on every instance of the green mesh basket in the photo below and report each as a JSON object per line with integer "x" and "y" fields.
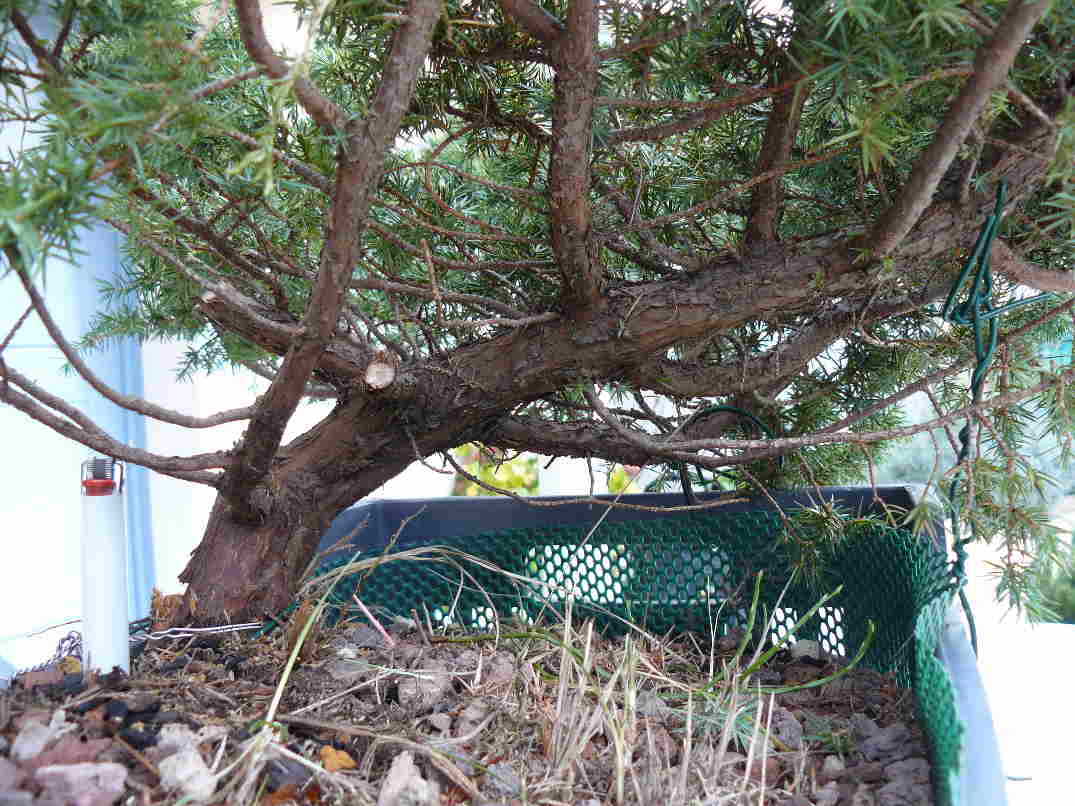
{"x": 694, "y": 572}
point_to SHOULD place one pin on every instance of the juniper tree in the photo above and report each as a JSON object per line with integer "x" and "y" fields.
{"x": 475, "y": 221}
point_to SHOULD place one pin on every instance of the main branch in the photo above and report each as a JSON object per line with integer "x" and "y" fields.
{"x": 991, "y": 65}
{"x": 360, "y": 163}
{"x": 574, "y": 88}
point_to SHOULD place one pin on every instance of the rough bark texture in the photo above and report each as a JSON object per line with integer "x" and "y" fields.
{"x": 359, "y": 166}
{"x": 248, "y": 570}
{"x": 245, "y": 570}
{"x": 433, "y": 406}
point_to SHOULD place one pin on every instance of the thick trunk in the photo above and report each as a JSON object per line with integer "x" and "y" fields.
{"x": 247, "y": 570}
{"x": 243, "y": 571}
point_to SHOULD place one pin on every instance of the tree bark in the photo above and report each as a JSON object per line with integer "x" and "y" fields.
{"x": 250, "y": 569}
{"x": 244, "y": 570}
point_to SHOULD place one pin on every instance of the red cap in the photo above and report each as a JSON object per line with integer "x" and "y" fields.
{"x": 99, "y": 486}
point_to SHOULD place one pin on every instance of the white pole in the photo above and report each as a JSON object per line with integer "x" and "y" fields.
{"x": 105, "y": 630}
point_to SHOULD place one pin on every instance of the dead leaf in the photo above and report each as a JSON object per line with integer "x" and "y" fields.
{"x": 454, "y": 796}
{"x": 163, "y": 609}
{"x": 334, "y": 760}
{"x": 285, "y": 794}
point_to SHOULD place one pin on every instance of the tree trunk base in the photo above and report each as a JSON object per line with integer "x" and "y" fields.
{"x": 247, "y": 571}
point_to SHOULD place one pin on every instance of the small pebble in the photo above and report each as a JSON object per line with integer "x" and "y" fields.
{"x": 828, "y": 795}
{"x": 503, "y": 780}
{"x": 788, "y": 729}
{"x": 365, "y": 637}
{"x": 862, "y": 727}
{"x": 32, "y": 740}
{"x": 86, "y": 784}
{"x": 281, "y": 772}
{"x": 887, "y": 744}
{"x": 405, "y": 786}
{"x": 912, "y": 769}
{"x": 10, "y": 775}
{"x": 176, "y": 737}
{"x": 187, "y": 772}
{"x": 867, "y": 771}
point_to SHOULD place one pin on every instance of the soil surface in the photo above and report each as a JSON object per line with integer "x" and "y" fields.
{"x": 422, "y": 717}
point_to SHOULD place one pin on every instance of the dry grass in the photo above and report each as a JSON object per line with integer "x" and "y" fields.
{"x": 642, "y": 719}
{"x": 523, "y": 713}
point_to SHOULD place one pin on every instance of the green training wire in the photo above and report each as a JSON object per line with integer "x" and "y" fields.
{"x": 684, "y": 476}
{"x": 977, "y": 311}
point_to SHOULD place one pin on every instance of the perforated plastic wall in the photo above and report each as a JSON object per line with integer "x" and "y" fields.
{"x": 695, "y": 572}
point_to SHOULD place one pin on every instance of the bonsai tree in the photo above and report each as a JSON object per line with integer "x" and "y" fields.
{"x": 479, "y": 220}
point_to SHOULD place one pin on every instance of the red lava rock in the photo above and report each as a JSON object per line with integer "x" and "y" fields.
{"x": 886, "y": 743}
{"x": 10, "y": 775}
{"x": 798, "y": 673}
{"x": 83, "y": 784}
{"x": 913, "y": 769}
{"x": 68, "y": 750}
{"x": 869, "y": 772}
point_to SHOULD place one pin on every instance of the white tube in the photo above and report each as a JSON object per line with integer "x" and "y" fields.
{"x": 105, "y": 630}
